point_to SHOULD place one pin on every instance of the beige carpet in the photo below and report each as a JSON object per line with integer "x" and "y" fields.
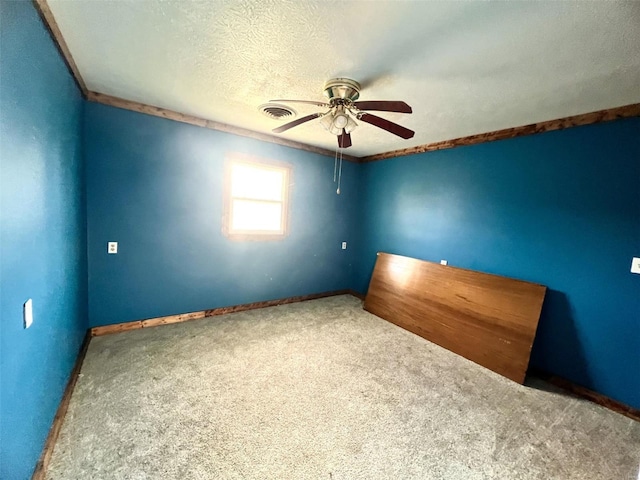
{"x": 321, "y": 390}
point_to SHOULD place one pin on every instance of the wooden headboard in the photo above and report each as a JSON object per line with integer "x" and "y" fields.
{"x": 489, "y": 319}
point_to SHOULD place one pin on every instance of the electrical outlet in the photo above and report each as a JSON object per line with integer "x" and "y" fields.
{"x": 112, "y": 247}
{"x": 27, "y": 313}
{"x": 443, "y": 262}
{"x": 635, "y": 265}
{"x": 344, "y": 245}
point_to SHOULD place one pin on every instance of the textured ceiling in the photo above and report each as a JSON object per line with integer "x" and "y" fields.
{"x": 464, "y": 67}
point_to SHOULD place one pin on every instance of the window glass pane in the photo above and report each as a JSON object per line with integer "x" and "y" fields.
{"x": 252, "y": 215}
{"x": 254, "y": 181}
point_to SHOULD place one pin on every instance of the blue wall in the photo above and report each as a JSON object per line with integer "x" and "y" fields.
{"x": 155, "y": 186}
{"x": 43, "y": 234}
{"x": 560, "y": 208}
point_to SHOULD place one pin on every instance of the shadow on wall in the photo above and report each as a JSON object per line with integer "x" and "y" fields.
{"x": 365, "y": 271}
{"x": 557, "y": 332}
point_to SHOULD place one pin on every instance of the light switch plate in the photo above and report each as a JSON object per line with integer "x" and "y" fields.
{"x": 27, "y": 313}
{"x": 635, "y": 265}
{"x": 112, "y": 247}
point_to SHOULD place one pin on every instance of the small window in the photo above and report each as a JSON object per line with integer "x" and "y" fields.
{"x": 256, "y": 200}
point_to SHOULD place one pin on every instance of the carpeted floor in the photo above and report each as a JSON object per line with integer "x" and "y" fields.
{"x": 321, "y": 390}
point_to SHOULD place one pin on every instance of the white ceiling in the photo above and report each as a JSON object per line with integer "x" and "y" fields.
{"x": 464, "y": 67}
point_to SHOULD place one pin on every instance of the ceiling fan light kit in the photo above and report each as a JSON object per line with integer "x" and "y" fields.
{"x": 336, "y": 122}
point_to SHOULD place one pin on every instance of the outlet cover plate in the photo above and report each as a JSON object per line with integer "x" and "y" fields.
{"x": 27, "y": 313}
{"x": 635, "y": 265}
{"x": 112, "y": 247}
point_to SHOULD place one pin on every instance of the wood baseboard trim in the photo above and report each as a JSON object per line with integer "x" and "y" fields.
{"x": 272, "y": 303}
{"x": 43, "y": 463}
{"x": 587, "y": 394}
{"x": 357, "y": 294}
{"x": 185, "y": 317}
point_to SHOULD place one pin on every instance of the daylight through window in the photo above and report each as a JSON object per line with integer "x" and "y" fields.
{"x": 256, "y": 200}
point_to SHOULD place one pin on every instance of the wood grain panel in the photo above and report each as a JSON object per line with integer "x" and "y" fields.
{"x": 201, "y": 122}
{"x": 489, "y": 319}
{"x": 548, "y": 126}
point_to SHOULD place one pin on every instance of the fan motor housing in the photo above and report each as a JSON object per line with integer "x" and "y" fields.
{"x": 342, "y": 88}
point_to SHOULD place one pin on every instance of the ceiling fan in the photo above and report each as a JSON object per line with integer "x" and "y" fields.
{"x": 343, "y": 106}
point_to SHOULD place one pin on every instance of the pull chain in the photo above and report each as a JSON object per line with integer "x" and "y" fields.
{"x": 339, "y": 173}
{"x": 335, "y": 166}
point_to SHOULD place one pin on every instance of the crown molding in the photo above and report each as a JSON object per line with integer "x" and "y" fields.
{"x": 201, "y": 122}
{"x": 599, "y": 116}
{"x": 50, "y": 24}
{"x": 590, "y": 118}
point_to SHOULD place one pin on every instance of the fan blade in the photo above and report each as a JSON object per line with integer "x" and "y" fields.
{"x": 310, "y": 102}
{"x": 297, "y": 122}
{"x": 344, "y": 139}
{"x": 384, "y": 124}
{"x": 384, "y": 106}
